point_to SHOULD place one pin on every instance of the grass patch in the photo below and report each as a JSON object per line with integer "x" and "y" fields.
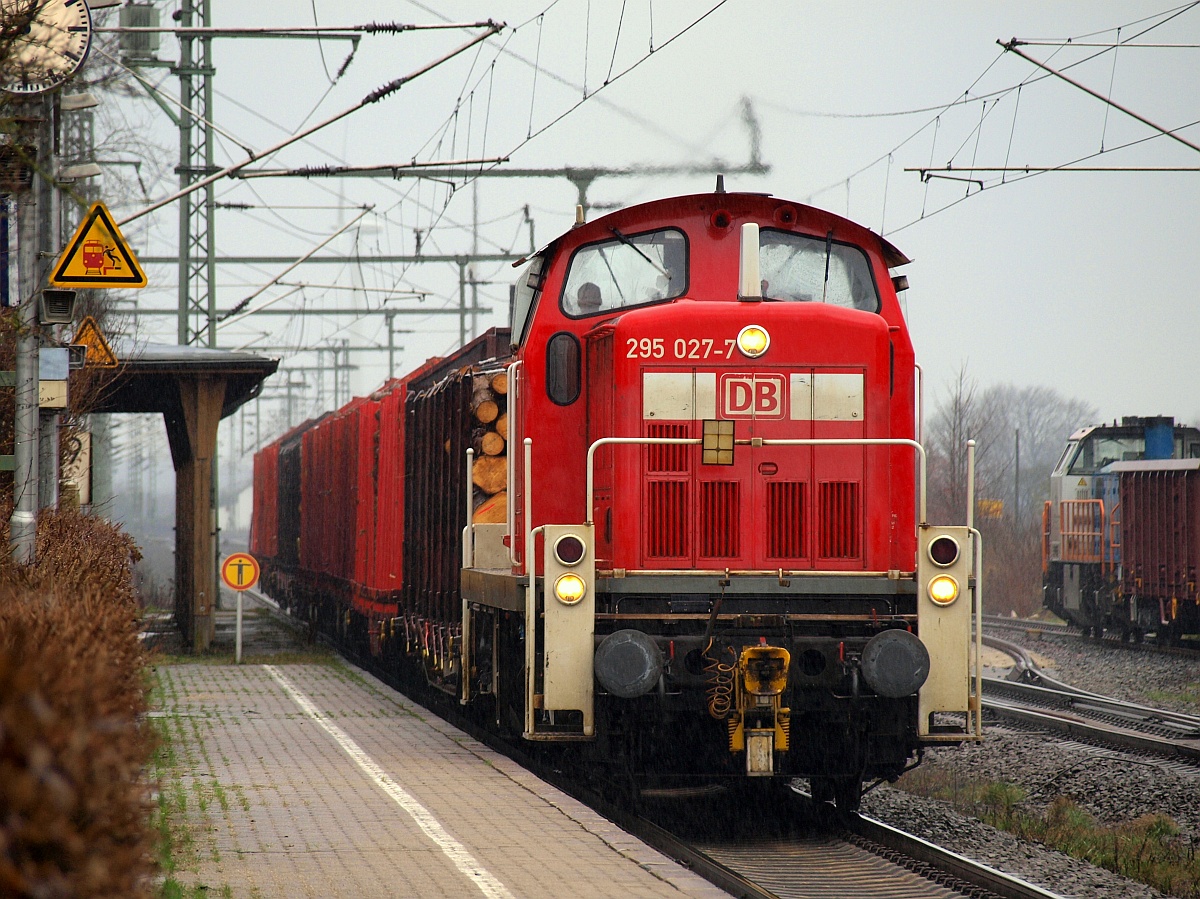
{"x": 1188, "y": 693}
{"x": 1148, "y": 849}
{"x": 174, "y": 844}
{"x": 182, "y": 815}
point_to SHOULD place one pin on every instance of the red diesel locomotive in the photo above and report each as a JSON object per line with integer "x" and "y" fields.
{"x": 674, "y": 515}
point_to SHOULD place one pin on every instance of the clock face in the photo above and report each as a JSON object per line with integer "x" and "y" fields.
{"x": 42, "y": 43}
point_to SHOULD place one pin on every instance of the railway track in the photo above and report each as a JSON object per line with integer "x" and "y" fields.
{"x": 791, "y": 849}
{"x": 1031, "y": 696}
{"x": 837, "y": 857}
{"x": 1037, "y": 629}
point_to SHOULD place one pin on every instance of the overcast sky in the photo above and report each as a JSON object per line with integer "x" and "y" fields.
{"x": 1079, "y": 281}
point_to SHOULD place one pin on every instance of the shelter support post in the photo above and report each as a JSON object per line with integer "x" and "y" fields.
{"x": 193, "y": 439}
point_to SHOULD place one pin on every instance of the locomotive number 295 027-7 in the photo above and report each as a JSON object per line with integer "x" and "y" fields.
{"x": 682, "y": 348}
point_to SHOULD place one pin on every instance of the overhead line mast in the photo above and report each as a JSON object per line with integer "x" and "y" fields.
{"x": 197, "y": 170}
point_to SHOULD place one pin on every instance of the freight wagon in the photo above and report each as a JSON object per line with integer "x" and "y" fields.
{"x": 1121, "y": 532}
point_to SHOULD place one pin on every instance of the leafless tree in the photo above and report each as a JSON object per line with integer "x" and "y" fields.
{"x": 960, "y": 417}
{"x": 1008, "y": 499}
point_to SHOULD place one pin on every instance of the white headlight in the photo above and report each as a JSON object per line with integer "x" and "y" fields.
{"x": 943, "y": 589}
{"x": 569, "y": 588}
{"x": 753, "y": 341}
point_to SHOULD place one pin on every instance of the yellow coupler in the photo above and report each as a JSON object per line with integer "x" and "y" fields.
{"x": 762, "y": 678}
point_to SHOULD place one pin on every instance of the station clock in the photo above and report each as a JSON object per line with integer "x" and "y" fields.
{"x": 42, "y": 43}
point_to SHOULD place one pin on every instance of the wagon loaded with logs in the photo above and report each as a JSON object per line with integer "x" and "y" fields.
{"x": 489, "y": 439}
{"x": 446, "y": 413}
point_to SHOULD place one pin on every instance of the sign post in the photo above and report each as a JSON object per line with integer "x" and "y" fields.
{"x": 240, "y": 572}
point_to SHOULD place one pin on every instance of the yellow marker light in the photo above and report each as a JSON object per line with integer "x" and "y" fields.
{"x": 943, "y": 589}
{"x": 569, "y": 588}
{"x": 753, "y": 341}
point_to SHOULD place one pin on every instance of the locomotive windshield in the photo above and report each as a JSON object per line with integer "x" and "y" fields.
{"x": 800, "y": 268}
{"x": 1098, "y": 450}
{"x": 629, "y": 270}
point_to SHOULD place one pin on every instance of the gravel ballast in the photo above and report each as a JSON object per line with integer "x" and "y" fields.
{"x": 1112, "y": 786}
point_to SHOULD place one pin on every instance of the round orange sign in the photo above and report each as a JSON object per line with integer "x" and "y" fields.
{"x": 240, "y": 571}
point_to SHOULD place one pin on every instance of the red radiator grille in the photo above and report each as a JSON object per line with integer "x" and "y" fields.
{"x": 785, "y": 519}
{"x": 839, "y": 520}
{"x": 667, "y": 519}
{"x": 668, "y": 457}
{"x": 719, "y": 514}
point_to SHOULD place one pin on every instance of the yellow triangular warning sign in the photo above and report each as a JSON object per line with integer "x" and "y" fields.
{"x": 98, "y": 353}
{"x": 97, "y": 256}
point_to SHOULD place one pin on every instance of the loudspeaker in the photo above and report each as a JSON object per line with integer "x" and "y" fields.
{"x": 57, "y": 306}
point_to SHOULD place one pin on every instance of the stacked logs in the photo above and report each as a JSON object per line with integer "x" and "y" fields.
{"x": 489, "y": 438}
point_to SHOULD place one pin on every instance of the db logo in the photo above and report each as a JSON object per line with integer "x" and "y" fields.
{"x": 752, "y": 396}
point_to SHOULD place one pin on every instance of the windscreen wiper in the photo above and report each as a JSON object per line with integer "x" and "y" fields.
{"x": 828, "y": 253}
{"x": 629, "y": 243}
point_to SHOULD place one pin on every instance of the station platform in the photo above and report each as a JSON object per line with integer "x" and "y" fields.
{"x": 311, "y": 778}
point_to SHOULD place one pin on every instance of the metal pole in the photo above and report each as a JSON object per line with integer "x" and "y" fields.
{"x": 186, "y": 177}
{"x": 970, "y": 483}
{"x": 1017, "y": 475}
{"x": 101, "y": 460}
{"x": 48, "y": 473}
{"x": 47, "y": 244}
{"x": 23, "y": 524}
{"x": 391, "y": 320}
{"x": 209, "y": 215}
{"x": 462, "y": 302}
{"x": 1011, "y": 46}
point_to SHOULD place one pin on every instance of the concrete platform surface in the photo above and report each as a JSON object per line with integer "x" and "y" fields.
{"x": 316, "y": 780}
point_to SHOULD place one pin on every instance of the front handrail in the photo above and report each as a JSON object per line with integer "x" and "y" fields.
{"x": 977, "y": 597}
{"x": 920, "y": 402}
{"x": 1114, "y": 537}
{"x": 514, "y": 400}
{"x": 1046, "y": 536}
{"x": 530, "y": 624}
{"x": 527, "y": 552}
{"x": 754, "y": 441}
{"x": 468, "y": 548}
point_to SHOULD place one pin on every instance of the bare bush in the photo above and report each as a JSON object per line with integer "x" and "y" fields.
{"x": 74, "y": 745}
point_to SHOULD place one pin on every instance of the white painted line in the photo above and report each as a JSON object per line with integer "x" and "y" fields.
{"x": 453, "y": 849}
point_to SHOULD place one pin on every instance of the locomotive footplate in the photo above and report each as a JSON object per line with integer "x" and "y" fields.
{"x": 773, "y": 660}
{"x": 692, "y": 592}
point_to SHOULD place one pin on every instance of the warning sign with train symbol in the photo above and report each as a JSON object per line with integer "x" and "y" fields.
{"x": 98, "y": 256}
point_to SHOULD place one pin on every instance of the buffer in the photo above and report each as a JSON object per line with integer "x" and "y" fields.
{"x": 98, "y": 256}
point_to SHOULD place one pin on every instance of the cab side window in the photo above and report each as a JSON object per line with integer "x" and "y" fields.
{"x": 563, "y": 370}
